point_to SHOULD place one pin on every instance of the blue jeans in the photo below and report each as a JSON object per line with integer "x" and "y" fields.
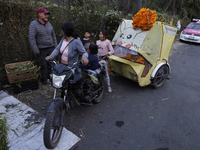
{"x": 107, "y": 74}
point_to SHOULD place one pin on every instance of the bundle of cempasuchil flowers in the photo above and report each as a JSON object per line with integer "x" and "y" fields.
{"x": 144, "y": 19}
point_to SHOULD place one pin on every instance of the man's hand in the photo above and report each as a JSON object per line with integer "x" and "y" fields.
{"x": 84, "y": 61}
{"x": 48, "y": 57}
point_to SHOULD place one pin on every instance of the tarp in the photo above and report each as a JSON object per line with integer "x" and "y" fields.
{"x": 150, "y": 43}
{"x": 154, "y": 45}
{"x": 128, "y": 37}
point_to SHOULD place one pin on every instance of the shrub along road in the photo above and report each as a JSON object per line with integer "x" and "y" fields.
{"x": 139, "y": 118}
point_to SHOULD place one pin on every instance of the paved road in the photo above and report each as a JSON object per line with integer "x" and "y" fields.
{"x": 136, "y": 118}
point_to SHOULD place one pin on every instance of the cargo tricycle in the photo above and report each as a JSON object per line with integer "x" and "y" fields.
{"x": 142, "y": 55}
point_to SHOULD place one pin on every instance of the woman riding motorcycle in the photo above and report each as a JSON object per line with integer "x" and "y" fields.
{"x": 69, "y": 47}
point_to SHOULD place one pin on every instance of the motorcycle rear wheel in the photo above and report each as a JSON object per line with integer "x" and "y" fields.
{"x": 102, "y": 92}
{"x": 53, "y": 128}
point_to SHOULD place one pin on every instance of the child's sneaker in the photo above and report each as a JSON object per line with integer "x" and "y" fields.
{"x": 109, "y": 89}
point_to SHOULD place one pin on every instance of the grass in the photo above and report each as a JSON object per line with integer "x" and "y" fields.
{"x": 3, "y": 134}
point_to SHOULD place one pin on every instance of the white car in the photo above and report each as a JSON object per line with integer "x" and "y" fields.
{"x": 192, "y": 32}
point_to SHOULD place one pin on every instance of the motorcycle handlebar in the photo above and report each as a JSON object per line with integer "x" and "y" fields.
{"x": 77, "y": 63}
{"x": 52, "y": 62}
{"x": 104, "y": 58}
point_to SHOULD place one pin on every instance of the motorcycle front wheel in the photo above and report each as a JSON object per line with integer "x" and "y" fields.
{"x": 53, "y": 128}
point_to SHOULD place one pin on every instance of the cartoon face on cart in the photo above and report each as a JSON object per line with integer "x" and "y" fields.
{"x": 128, "y": 37}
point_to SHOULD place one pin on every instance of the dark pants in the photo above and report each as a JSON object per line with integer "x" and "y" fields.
{"x": 42, "y": 62}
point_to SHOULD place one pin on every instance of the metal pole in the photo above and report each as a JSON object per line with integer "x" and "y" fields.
{"x": 139, "y": 5}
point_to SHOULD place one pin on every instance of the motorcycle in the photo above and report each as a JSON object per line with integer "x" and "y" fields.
{"x": 77, "y": 87}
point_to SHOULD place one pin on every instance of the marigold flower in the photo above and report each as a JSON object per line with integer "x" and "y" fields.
{"x": 144, "y": 19}
{"x": 162, "y": 20}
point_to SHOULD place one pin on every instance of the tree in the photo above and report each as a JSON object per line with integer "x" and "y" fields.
{"x": 168, "y": 5}
{"x": 139, "y": 5}
{"x": 173, "y": 8}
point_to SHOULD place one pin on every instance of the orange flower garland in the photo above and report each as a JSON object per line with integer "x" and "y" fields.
{"x": 144, "y": 19}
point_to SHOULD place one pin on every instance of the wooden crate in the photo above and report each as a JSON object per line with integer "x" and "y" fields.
{"x": 19, "y": 76}
{"x": 25, "y": 85}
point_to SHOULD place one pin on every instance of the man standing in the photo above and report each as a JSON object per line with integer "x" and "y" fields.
{"x": 42, "y": 39}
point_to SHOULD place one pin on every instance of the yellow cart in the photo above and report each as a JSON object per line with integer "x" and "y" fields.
{"x": 142, "y": 56}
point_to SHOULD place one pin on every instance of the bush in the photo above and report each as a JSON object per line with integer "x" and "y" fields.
{"x": 3, "y": 134}
{"x": 15, "y": 18}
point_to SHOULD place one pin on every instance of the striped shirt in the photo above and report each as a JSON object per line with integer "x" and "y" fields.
{"x": 95, "y": 72}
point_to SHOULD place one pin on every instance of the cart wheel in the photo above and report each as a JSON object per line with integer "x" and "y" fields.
{"x": 161, "y": 76}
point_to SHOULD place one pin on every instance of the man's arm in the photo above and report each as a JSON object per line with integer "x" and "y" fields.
{"x": 32, "y": 38}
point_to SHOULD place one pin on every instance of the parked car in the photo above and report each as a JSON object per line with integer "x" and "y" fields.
{"x": 192, "y": 32}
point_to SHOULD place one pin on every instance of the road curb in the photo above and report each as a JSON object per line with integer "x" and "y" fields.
{"x": 26, "y": 126}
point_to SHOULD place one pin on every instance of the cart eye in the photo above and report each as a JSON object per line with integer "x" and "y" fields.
{"x": 121, "y": 36}
{"x": 129, "y": 36}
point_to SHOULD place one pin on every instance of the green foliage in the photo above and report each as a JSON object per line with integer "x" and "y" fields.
{"x": 26, "y": 66}
{"x": 111, "y": 22}
{"x": 160, "y": 16}
{"x": 3, "y": 134}
{"x": 14, "y": 33}
{"x": 92, "y": 15}
{"x": 175, "y": 19}
{"x": 172, "y": 7}
{"x": 185, "y": 21}
{"x": 166, "y": 18}
{"x": 15, "y": 18}
{"x": 77, "y": 3}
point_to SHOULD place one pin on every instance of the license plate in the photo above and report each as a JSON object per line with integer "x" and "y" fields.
{"x": 191, "y": 37}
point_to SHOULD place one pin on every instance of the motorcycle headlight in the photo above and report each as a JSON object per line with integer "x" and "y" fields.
{"x": 57, "y": 80}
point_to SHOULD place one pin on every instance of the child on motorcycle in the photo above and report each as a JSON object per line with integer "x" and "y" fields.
{"x": 105, "y": 48}
{"x": 93, "y": 63}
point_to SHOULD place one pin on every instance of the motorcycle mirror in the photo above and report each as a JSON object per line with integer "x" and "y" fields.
{"x": 74, "y": 64}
